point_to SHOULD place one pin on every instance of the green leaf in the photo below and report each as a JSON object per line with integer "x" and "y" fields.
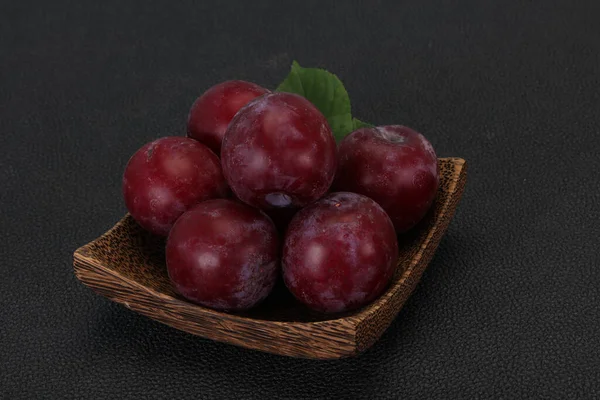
{"x": 326, "y": 92}
{"x": 357, "y": 124}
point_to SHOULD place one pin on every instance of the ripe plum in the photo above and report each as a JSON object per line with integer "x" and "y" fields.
{"x": 279, "y": 152}
{"x": 223, "y": 254}
{"x": 212, "y": 112}
{"x": 166, "y": 177}
{"x": 339, "y": 252}
{"x": 395, "y": 166}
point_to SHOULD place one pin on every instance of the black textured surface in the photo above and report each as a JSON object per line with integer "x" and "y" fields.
{"x": 509, "y": 307}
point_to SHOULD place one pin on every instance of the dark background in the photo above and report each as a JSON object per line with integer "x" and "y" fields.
{"x": 509, "y": 307}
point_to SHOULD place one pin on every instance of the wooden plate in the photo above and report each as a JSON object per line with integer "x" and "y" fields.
{"x": 127, "y": 265}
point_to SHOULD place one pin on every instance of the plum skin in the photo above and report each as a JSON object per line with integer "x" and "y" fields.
{"x": 279, "y": 151}
{"x": 339, "y": 253}
{"x": 212, "y": 112}
{"x": 395, "y": 166}
{"x": 166, "y": 177}
{"x": 224, "y": 255}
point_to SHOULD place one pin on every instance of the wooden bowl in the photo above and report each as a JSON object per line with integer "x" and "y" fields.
{"x": 127, "y": 265}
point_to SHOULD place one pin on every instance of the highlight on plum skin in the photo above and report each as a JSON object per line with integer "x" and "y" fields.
{"x": 339, "y": 253}
{"x": 223, "y": 254}
{"x": 166, "y": 177}
{"x": 212, "y": 112}
{"x": 395, "y": 166}
{"x": 279, "y": 152}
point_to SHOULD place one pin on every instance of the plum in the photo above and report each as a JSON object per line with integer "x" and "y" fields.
{"x": 339, "y": 253}
{"x": 395, "y": 166}
{"x": 166, "y": 177}
{"x": 223, "y": 254}
{"x": 279, "y": 152}
{"x": 212, "y": 112}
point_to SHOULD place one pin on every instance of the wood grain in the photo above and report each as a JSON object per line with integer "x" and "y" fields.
{"x": 127, "y": 265}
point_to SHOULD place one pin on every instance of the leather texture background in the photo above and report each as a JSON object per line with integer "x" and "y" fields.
{"x": 508, "y": 308}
